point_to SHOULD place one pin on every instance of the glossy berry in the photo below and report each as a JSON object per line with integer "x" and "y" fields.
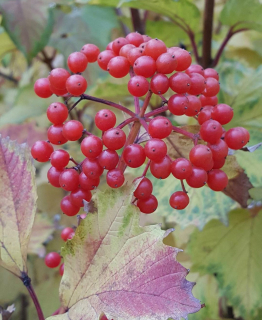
{"x": 59, "y": 92}
{"x": 219, "y": 163}
{"x": 211, "y": 73}
{"x": 42, "y": 88}
{"x": 148, "y": 205}
{"x": 41, "y": 151}
{"x": 211, "y": 131}
{"x": 144, "y": 189}
{"x": 201, "y": 156}
{"x": 68, "y": 208}
{"x": 179, "y": 200}
{"x": 118, "y": 44}
{"x": 104, "y": 57}
{"x": 115, "y": 178}
{"x": 135, "y": 38}
{"x": 183, "y": 59}
{"x": 105, "y": 119}
{"x": 195, "y": 68}
{"x": 118, "y": 67}
{"x": 91, "y": 168}
{"x": 222, "y": 113}
{"x": 67, "y": 233}
{"x": 76, "y": 85}
{"x": 114, "y": 138}
{"x": 212, "y": 87}
{"x": 208, "y": 101}
{"x": 125, "y": 49}
{"x": 134, "y": 54}
{"x": 87, "y": 183}
{"x": 59, "y": 159}
{"x": 69, "y": 179}
{"x": 134, "y": 155}
{"x": 181, "y": 168}
{"x": 53, "y": 175}
{"x": 145, "y": 66}
{"x": 178, "y": 104}
{"x": 193, "y": 107}
{"x": 180, "y": 82}
{"x": 73, "y": 130}
{"x": 160, "y": 127}
{"x": 52, "y": 260}
{"x": 91, "y": 51}
{"x": 236, "y": 138}
{"x": 138, "y": 86}
{"x": 155, "y": 149}
{"x": 154, "y": 48}
{"x": 58, "y": 78}
{"x": 198, "y": 84}
{"x": 61, "y": 269}
{"x": 161, "y": 169}
{"x": 198, "y": 178}
{"x": 166, "y": 63}
{"x": 77, "y": 62}
{"x": 55, "y": 135}
{"x": 108, "y": 159}
{"x": 146, "y": 38}
{"x": 159, "y": 83}
{"x": 219, "y": 150}
{"x": 217, "y": 180}
{"x": 79, "y": 195}
{"x": 57, "y": 113}
{"x": 91, "y": 146}
{"x": 205, "y": 114}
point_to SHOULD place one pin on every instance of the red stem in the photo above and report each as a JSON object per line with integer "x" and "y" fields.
{"x": 145, "y": 104}
{"x": 146, "y": 168}
{"x": 193, "y": 44}
{"x": 127, "y": 121}
{"x": 184, "y": 132}
{"x": 36, "y": 302}
{"x": 183, "y": 186}
{"x": 155, "y": 112}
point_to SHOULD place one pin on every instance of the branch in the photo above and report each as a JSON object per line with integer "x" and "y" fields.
{"x": 138, "y": 24}
{"x": 155, "y": 112}
{"x": 184, "y": 132}
{"x": 7, "y": 77}
{"x": 207, "y": 34}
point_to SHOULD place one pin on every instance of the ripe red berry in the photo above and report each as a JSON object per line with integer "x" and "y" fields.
{"x": 155, "y": 149}
{"x": 159, "y": 83}
{"x": 91, "y": 168}
{"x": 61, "y": 269}
{"x": 57, "y": 113}
{"x": 69, "y": 179}
{"x": 53, "y": 175}
{"x": 77, "y": 62}
{"x": 73, "y": 130}
{"x": 194, "y": 106}
{"x": 134, "y": 54}
{"x": 154, "y": 48}
{"x": 236, "y": 138}
{"x": 179, "y": 200}
{"x": 58, "y": 78}
{"x": 59, "y": 92}
{"x": 59, "y": 159}
{"x": 217, "y": 180}
{"x": 195, "y": 68}
{"x": 91, "y": 51}
{"x": 219, "y": 163}
{"x": 76, "y": 85}
{"x": 55, "y": 135}
{"x": 145, "y": 66}
{"x": 115, "y": 178}
{"x": 183, "y": 58}
{"x": 68, "y": 208}
{"x": 181, "y": 168}
{"x": 108, "y": 159}
{"x": 105, "y": 119}
{"x": 222, "y": 113}
{"x": 114, "y": 138}
{"x": 198, "y": 178}
{"x": 87, "y": 183}
{"x": 208, "y": 101}
{"x": 125, "y": 49}
{"x": 211, "y": 131}
{"x": 41, "y": 151}
{"x": 138, "y": 86}
{"x": 79, "y": 195}
{"x": 148, "y": 205}
{"x": 91, "y": 146}
{"x": 110, "y": 46}
{"x": 144, "y": 189}
{"x": 161, "y": 169}
{"x": 219, "y": 150}
{"x": 180, "y": 82}
{"x": 198, "y": 84}
{"x": 201, "y": 156}
{"x": 212, "y": 87}
{"x": 134, "y": 155}
{"x": 104, "y": 57}
{"x": 135, "y": 38}
{"x": 118, "y": 44}
{"x": 160, "y": 127}
{"x": 166, "y": 63}
{"x": 205, "y": 114}
{"x": 146, "y": 38}
{"x": 42, "y": 88}
{"x": 178, "y": 104}
{"x": 52, "y": 260}
{"x": 67, "y": 233}
{"x": 211, "y": 73}
{"x": 118, "y": 67}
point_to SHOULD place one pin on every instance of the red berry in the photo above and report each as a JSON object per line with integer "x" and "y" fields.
{"x": 219, "y": 150}
{"x": 57, "y": 113}
{"x": 91, "y": 146}
{"x": 114, "y": 138}
{"x": 104, "y": 58}
{"x": 67, "y": 233}
{"x": 42, "y": 88}
{"x": 198, "y": 84}
{"x": 91, "y": 51}
{"x": 118, "y": 67}
{"x": 161, "y": 169}
{"x": 68, "y": 208}
{"x": 58, "y": 78}
{"x": 69, "y": 179}
{"x": 194, "y": 106}
{"x": 178, "y": 104}
{"x": 115, "y": 178}
{"x": 73, "y": 130}
{"x": 146, "y": 38}
{"x": 134, "y": 155}
{"x": 118, "y": 44}
{"x": 135, "y": 38}
{"x": 59, "y": 92}
{"x": 138, "y": 86}
{"x": 52, "y": 260}
{"x": 160, "y": 127}
{"x": 110, "y": 46}
{"x": 148, "y": 205}
{"x": 92, "y": 169}
{"x": 76, "y": 85}
{"x": 87, "y": 183}
{"x": 79, "y": 195}
{"x": 145, "y": 66}
{"x": 155, "y": 149}
{"x": 77, "y": 62}
{"x": 61, "y": 269}
{"x": 59, "y": 159}
{"x": 208, "y": 101}
{"x": 108, "y": 159}
{"x": 53, "y": 175}
{"x": 222, "y": 113}
{"x": 179, "y": 200}
{"x": 125, "y": 49}
{"x": 183, "y": 58}
{"x": 195, "y": 68}
{"x": 212, "y": 87}
{"x": 105, "y": 119}
{"x": 211, "y": 73}
{"x": 198, "y": 178}
{"x": 205, "y": 114}
{"x": 41, "y": 151}
{"x": 211, "y": 131}
{"x": 166, "y": 63}
{"x": 201, "y": 156}
{"x": 134, "y": 54}
{"x": 180, "y": 82}
{"x": 181, "y": 168}
{"x": 55, "y": 135}
{"x": 159, "y": 83}
{"x": 217, "y": 180}
{"x": 236, "y": 138}
{"x": 144, "y": 189}
{"x": 154, "y": 48}
{"x": 219, "y": 163}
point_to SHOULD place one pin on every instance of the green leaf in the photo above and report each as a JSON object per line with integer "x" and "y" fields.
{"x": 7, "y": 44}
{"x": 256, "y": 193}
{"x": 246, "y": 14}
{"x": 234, "y": 253}
{"x": 29, "y": 24}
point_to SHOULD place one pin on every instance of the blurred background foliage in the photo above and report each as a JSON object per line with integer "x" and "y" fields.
{"x": 219, "y": 232}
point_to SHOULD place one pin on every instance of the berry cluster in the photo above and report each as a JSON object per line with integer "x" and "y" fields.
{"x": 154, "y": 69}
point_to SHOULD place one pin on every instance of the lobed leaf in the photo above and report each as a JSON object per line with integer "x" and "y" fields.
{"x": 113, "y": 265}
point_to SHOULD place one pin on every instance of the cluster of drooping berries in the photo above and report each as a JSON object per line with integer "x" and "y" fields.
{"x": 154, "y": 69}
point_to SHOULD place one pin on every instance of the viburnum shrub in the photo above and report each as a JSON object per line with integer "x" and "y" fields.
{"x": 153, "y": 69}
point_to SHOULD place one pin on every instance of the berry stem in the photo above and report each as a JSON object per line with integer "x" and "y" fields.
{"x": 76, "y": 163}
{"x": 183, "y": 186}
{"x": 144, "y": 124}
{"x": 155, "y": 112}
{"x": 146, "y": 168}
{"x": 127, "y": 121}
{"x": 109, "y": 103}
{"x": 75, "y": 104}
{"x": 184, "y": 132}
{"x": 145, "y": 104}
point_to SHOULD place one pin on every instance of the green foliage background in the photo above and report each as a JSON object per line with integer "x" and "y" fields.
{"x": 225, "y": 268}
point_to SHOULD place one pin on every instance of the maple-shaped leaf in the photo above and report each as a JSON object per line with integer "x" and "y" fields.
{"x": 234, "y": 253}
{"x": 113, "y": 265}
{"x": 17, "y": 205}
